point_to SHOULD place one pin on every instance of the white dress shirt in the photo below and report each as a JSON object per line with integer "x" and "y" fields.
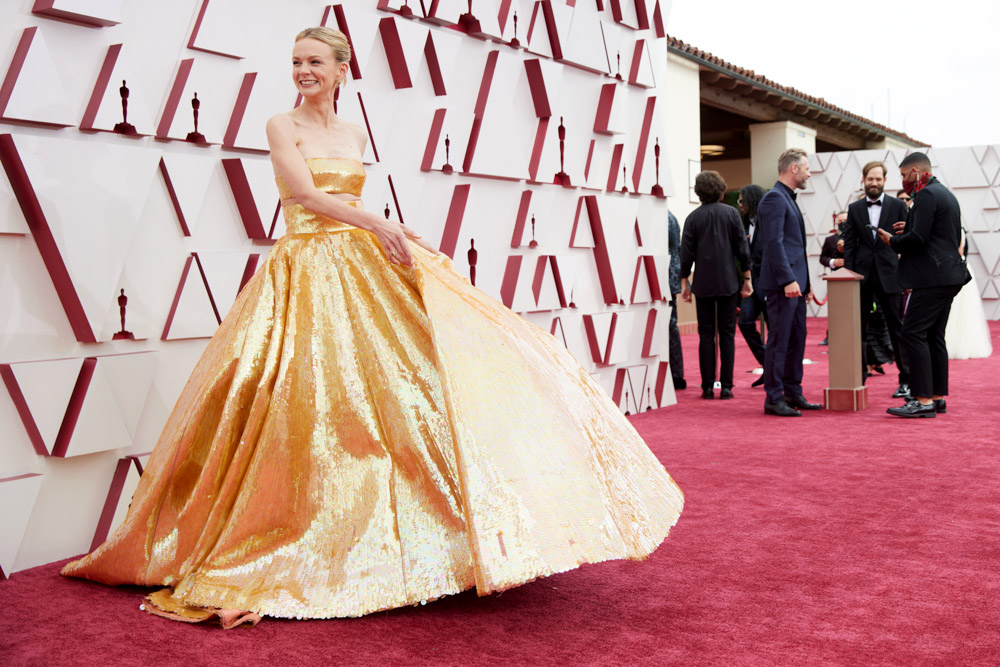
{"x": 874, "y": 213}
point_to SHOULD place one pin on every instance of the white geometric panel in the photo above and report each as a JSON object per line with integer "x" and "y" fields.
{"x": 203, "y": 82}
{"x": 11, "y": 218}
{"x": 221, "y": 28}
{"x": 989, "y": 250}
{"x": 104, "y": 110}
{"x": 193, "y": 314}
{"x": 224, "y": 272}
{"x": 959, "y": 168}
{"x": 100, "y": 13}
{"x": 21, "y": 98}
{"x": 101, "y": 425}
{"x": 265, "y": 95}
{"x": 189, "y": 178}
{"x": 990, "y": 163}
{"x": 129, "y": 486}
{"x": 17, "y": 497}
{"x": 584, "y": 45}
{"x": 46, "y": 388}
{"x": 990, "y": 290}
{"x": 130, "y": 377}
{"x": 92, "y": 195}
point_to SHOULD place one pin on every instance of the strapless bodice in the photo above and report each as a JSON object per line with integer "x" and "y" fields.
{"x": 333, "y": 175}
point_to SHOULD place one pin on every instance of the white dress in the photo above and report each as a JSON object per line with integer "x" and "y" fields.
{"x": 967, "y": 334}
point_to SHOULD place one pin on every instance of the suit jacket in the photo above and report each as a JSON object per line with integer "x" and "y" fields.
{"x": 783, "y": 236}
{"x": 714, "y": 238}
{"x": 864, "y": 254}
{"x": 928, "y": 247}
{"x": 830, "y": 250}
{"x": 756, "y": 254}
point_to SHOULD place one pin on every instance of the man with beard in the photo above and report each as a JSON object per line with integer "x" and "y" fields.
{"x": 784, "y": 278}
{"x": 932, "y": 268}
{"x": 876, "y": 261}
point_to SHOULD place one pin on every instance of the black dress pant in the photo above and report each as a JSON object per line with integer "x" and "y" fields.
{"x": 786, "y": 345}
{"x": 751, "y": 308}
{"x": 922, "y": 339}
{"x": 717, "y": 313}
{"x": 891, "y": 305}
{"x": 676, "y": 355}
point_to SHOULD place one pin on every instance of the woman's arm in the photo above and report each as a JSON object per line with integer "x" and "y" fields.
{"x": 288, "y": 161}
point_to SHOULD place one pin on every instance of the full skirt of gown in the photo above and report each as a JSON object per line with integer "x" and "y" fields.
{"x": 359, "y": 436}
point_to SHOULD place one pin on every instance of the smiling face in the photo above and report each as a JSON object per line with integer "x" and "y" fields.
{"x": 315, "y": 69}
{"x": 874, "y": 183}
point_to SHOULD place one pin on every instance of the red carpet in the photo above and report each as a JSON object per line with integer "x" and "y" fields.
{"x": 828, "y": 539}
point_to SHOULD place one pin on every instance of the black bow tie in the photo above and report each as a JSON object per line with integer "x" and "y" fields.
{"x": 877, "y": 202}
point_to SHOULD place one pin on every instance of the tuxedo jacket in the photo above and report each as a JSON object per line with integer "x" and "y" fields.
{"x": 866, "y": 255}
{"x": 782, "y": 233}
{"x": 928, "y": 247}
{"x": 714, "y": 239}
{"x": 756, "y": 254}
{"x": 830, "y": 250}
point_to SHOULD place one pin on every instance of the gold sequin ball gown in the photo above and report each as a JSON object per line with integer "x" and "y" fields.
{"x": 359, "y": 436}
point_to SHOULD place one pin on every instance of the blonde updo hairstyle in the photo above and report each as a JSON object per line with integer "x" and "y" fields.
{"x": 336, "y": 40}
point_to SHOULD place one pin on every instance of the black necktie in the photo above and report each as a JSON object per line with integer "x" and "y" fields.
{"x": 877, "y": 202}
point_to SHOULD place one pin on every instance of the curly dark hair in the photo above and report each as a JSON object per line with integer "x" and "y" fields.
{"x": 751, "y": 194}
{"x": 709, "y": 186}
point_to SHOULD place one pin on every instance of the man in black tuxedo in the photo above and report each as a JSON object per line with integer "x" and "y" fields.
{"x": 876, "y": 261}
{"x": 784, "y": 278}
{"x": 932, "y": 268}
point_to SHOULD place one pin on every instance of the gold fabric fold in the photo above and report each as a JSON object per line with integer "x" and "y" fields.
{"x": 359, "y": 436}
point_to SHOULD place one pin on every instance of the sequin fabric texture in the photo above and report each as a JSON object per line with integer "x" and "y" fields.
{"x": 359, "y": 436}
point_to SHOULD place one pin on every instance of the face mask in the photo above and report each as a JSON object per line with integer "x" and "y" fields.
{"x": 915, "y": 186}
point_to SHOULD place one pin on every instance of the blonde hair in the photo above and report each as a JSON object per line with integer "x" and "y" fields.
{"x": 336, "y": 40}
{"x": 790, "y": 157}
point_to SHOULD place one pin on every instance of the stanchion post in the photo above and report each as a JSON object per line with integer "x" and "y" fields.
{"x": 846, "y": 392}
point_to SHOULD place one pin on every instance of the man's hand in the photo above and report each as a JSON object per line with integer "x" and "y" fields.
{"x": 885, "y": 237}
{"x": 899, "y": 227}
{"x": 747, "y": 288}
{"x": 839, "y": 262}
{"x": 685, "y": 291}
{"x": 840, "y": 245}
{"x": 793, "y": 290}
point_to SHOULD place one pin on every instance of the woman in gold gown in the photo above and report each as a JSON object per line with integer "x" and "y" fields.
{"x": 367, "y": 429}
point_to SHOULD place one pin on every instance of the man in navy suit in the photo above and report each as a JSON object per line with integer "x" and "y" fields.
{"x": 784, "y": 279}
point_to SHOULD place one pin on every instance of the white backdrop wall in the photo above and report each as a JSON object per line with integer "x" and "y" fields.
{"x": 88, "y": 216}
{"x": 972, "y": 173}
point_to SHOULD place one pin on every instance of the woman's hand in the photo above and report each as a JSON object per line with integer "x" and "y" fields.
{"x": 392, "y": 236}
{"x": 419, "y": 240}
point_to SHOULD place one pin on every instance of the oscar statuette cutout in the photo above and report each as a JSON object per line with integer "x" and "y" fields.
{"x": 572, "y": 304}
{"x": 624, "y": 180}
{"x": 405, "y": 9}
{"x": 515, "y": 42}
{"x": 619, "y": 75}
{"x": 649, "y": 400}
{"x": 125, "y": 127}
{"x": 657, "y": 190}
{"x": 123, "y": 334}
{"x": 447, "y": 168}
{"x": 196, "y": 137}
{"x": 534, "y": 243}
{"x": 562, "y": 178}
{"x": 627, "y": 413}
{"x": 469, "y": 23}
{"x": 473, "y": 256}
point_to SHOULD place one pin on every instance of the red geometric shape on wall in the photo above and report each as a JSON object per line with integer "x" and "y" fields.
{"x": 242, "y": 98}
{"x": 509, "y": 283}
{"x": 101, "y": 90}
{"x": 537, "y": 148}
{"x": 174, "y": 98}
{"x": 39, "y": 106}
{"x": 433, "y": 140}
{"x": 453, "y": 223}
{"x": 616, "y": 165}
{"x": 193, "y": 313}
{"x": 552, "y": 29}
{"x": 626, "y": 381}
{"x": 604, "y": 106}
{"x": 558, "y": 331}
{"x": 648, "y": 337}
{"x": 98, "y": 14}
{"x": 601, "y": 255}
{"x": 341, "y": 17}
{"x": 434, "y": 66}
{"x": 646, "y": 269}
{"x": 536, "y": 86}
{"x": 257, "y": 227}
{"x": 640, "y": 151}
{"x": 41, "y": 392}
{"x": 111, "y": 502}
{"x": 187, "y": 179}
{"x": 662, "y": 375}
{"x": 521, "y": 220}
{"x": 581, "y": 236}
{"x": 600, "y": 329}
{"x": 659, "y": 29}
{"x": 394, "y": 53}
{"x": 480, "y": 110}
{"x": 641, "y": 72}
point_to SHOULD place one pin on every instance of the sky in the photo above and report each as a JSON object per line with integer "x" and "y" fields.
{"x": 929, "y": 69}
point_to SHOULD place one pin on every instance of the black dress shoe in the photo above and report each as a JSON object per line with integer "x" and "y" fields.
{"x": 914, "y": 408}
{"x": 781, "y": 409}
{"x": 758, "y": 382}
{"x": 903, "y": 391}
{"x": 726, "y": 394}
{"x": 940, "y": 406}
{"x": 879, "y": 370}
{"x": 707, "y": 394}
{"x": 680, "y": 383}
{"x": 801, "y": 403}
{"x": 825, "y": 341}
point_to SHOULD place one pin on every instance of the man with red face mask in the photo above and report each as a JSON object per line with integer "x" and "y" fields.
{"x": 930, "y": 265}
